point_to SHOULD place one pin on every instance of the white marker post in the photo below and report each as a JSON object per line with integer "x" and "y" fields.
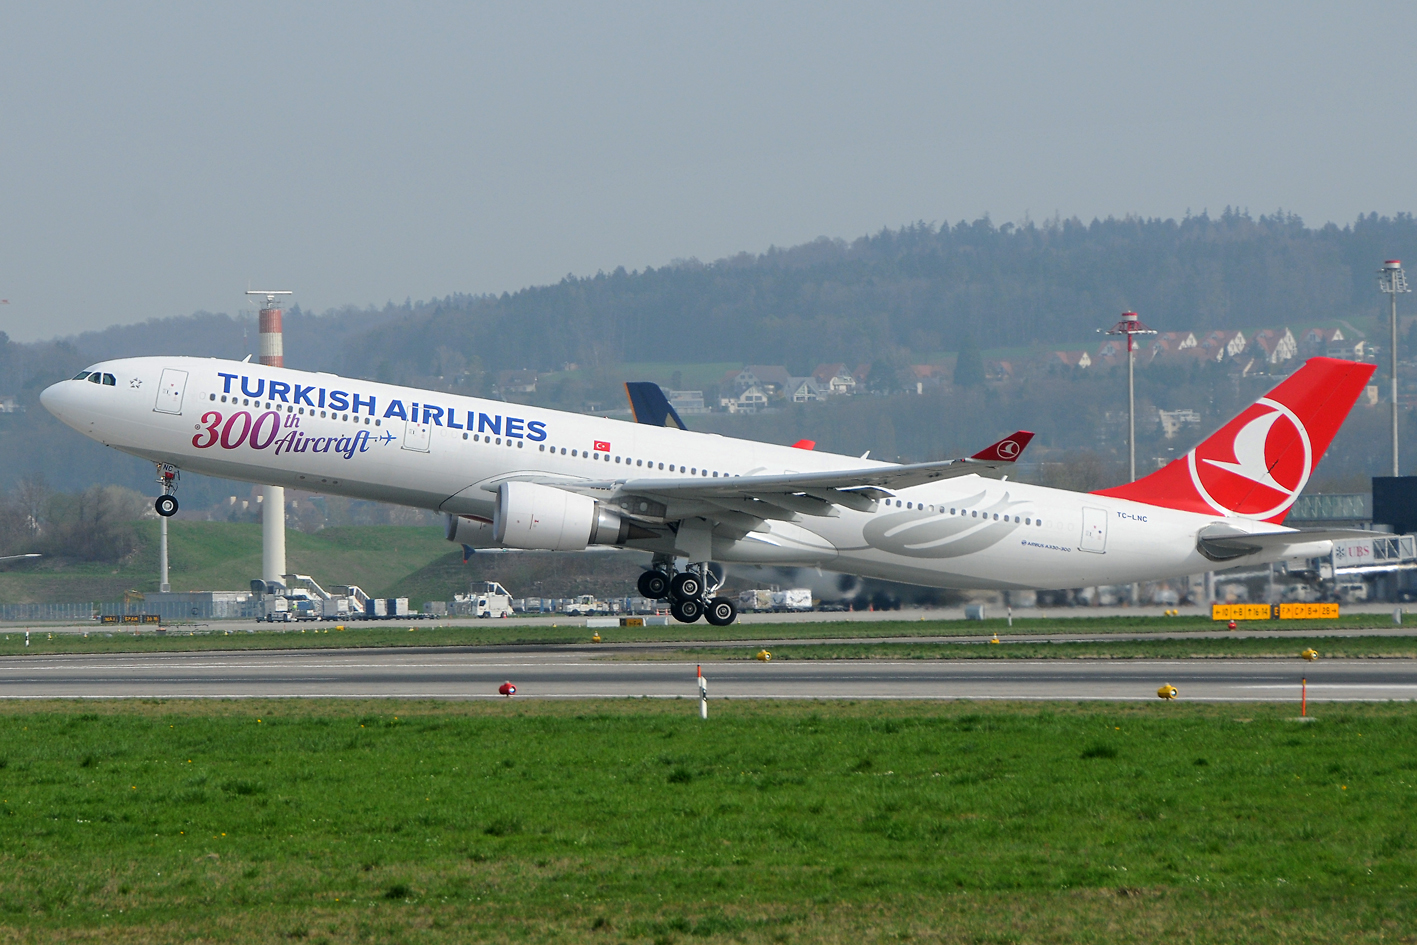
{"x": 703, "y": 694}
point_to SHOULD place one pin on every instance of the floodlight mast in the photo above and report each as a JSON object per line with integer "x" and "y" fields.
{"x": 1392, "y": 280}
{"x": 1131, "y": 325}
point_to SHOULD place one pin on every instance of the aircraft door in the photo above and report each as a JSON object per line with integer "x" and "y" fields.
{"x": 1094, "y": 531}
{"x": 417, "y": 436}
{"x": 170, "y": 389}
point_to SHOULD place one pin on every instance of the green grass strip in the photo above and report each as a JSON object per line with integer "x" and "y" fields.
{"x": 214, "y": 636}
{"x": 633, "y": 820}
{"x": 1330, "y": 647}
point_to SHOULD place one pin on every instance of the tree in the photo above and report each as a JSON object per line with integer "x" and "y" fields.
{"x": 969, "y": 366}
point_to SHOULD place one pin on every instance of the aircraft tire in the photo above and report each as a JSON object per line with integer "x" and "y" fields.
{"x": 685, "y": 586}
{"x": 166, "y": 505}
{"x": 721, "y": 612}
{"x": 687, "y": 611}
{"x": 654, "y": 585}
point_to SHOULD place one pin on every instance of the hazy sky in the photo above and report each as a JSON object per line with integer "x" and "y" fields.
{"x": 158, "y": 159}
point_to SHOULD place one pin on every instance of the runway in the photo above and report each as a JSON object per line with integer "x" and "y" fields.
{"x": 578, "y": 673}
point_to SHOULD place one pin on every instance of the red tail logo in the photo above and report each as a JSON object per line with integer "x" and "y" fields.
{"x": 1257, "y": 464}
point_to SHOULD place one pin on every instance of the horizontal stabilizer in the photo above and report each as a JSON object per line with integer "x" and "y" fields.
{"x": 1222, "y": 542}
{"x": 650, "y": 406}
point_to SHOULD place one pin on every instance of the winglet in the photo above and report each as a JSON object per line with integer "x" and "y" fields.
{"x": 649, "y": 405}
{"x": 805, "y": 445}
{"x": 1007, "y": 450}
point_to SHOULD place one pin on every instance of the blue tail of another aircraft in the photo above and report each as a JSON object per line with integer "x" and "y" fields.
{"x": 649, "y": 405}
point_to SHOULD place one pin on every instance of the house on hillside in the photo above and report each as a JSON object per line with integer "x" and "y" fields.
{"x": 687, "y": 401}
{"x": 1317, "y": 341}
{"x": 835, "y": 379}
{"x": 1173, "y": 341}
{"x": 804, "y": 390}
{"x": 1219, "y": 345}
{"x": 1112, "y": 351}
{"x": 1274, "y": 345}
{"x": 516, "y": 382}
{"x": 1072, "y": 359}
{"x": 1173, "y": 420}
{"x": 998, "y": 370}
{"x": 1358, "y": 349}
{"x": 749, "y": 401}
{"x": 773, "y": 379}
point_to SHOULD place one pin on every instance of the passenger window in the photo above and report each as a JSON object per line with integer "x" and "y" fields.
{"x": 213, "y": 397}
{"x": 464, "y": 436}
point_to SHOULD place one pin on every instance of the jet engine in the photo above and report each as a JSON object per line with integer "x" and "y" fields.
{"x": 544, "y": 518}
{"x": 469, "y": 531}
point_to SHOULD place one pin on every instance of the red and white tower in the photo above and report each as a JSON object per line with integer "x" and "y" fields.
{"x": 273, "y": 506}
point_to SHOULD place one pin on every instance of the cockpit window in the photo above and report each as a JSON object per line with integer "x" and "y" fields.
{"x": 95, "y": 378}
{"x": 80, "y": 376}
{"x": 110, "y": 381}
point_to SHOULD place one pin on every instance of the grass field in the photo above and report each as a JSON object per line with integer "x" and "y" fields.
{"x": 1331, "y": 647}
{"x": 504, "y": 632}
{"x": 633, "y": 821}
{"x": 42, "y": 643}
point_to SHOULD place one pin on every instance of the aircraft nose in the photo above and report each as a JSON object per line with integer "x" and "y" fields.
{"x": 58, "y": 399}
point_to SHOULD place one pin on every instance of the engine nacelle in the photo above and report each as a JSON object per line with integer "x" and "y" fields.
{"x": 544, "y": 518}
{"x": 472, "y": 532}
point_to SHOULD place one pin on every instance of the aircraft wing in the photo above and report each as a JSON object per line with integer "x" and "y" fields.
{"x": 810, "y": 493}
{"x": 18, "y": 557}
{"x": 1222, "y": 542}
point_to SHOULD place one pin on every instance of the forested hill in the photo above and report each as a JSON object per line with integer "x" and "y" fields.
{"x": 919, "y": 289}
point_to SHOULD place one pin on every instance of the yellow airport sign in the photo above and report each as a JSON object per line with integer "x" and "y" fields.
{"x": 1273, "y": 611}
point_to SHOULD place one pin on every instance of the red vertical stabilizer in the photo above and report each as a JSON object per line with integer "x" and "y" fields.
{"x": 1257, "y": 464}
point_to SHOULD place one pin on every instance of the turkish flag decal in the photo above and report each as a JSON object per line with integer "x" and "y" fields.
{"x": 602, "y": 446}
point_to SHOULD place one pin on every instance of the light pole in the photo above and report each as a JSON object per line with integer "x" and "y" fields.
{"x": 1392, "y": 280}
{"x": 1130, "y": 326}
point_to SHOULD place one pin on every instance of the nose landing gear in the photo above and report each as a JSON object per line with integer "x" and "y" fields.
{"x": 689, "y": 592}
{"x": 167, "y": 477}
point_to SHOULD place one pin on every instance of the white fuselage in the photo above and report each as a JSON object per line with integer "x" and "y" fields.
{"x": 324, "y": 433}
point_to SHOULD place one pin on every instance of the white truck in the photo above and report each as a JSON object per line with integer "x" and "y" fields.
{"x": 493, "y": 601}
{"x": 586, "y": 606}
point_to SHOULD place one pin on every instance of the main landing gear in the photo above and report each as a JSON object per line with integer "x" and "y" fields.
{"x": 689, "y": 592}
{"x": 167, "y": 477}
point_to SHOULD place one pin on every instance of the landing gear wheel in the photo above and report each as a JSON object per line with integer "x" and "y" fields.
{"x": 721, "y": 612}
{"x": 654, "y": 585}
{"x": 166, "y": 505}
{"x": 687, "y": 611}
{"x": 686, "y": 586}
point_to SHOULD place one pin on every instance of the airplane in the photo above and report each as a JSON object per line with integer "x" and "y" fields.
{"x": 511, "y": 476}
